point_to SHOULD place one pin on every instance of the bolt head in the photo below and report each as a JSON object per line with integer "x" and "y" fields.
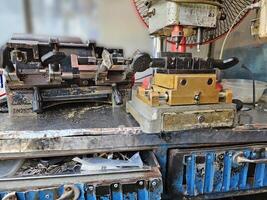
{"x": 115, "y": 185}
{"x": 201, "y": 119}
{"x": 154, "y": 183}
{"x": 47, "y": 196}
{"x": 141, "y": 183}
{"x": 91, "y": 188}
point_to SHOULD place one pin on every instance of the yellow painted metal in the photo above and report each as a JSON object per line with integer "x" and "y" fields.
{"x": 149, "y": 97}
{"x": 187, "y": 89}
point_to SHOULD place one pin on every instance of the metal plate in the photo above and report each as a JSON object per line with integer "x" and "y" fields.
{"x": 198, "y": 119}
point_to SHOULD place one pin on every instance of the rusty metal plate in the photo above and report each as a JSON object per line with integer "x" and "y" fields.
{"x": 197, "y": 119}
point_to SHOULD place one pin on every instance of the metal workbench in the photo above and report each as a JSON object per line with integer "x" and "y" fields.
{"x": 82, "y": 129}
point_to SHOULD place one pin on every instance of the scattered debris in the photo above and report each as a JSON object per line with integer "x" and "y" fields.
{"x": 48, "y": 167}
{"x": 98, "y": 163}
{"x": 74, "y": 113}
{"x": 70, "y": 165}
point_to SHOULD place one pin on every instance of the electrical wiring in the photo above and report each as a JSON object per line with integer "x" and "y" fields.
{"x": 252, "y": 6}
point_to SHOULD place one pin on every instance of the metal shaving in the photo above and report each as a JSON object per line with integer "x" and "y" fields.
{"x": 62, "y": 165}
{"x": 33, "y": 167}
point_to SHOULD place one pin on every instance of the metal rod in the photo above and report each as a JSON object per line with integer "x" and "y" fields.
{"x": 253, "y": 86}
{"x": 27, "y": 16}
{"x": 159, "y": 45}
{"x": 199, "y": 38}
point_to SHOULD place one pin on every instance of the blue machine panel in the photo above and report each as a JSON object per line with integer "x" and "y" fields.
{"x": 142, "y": 190}
{"x": 123, "y": 184}
{"x": 222, "y": 171}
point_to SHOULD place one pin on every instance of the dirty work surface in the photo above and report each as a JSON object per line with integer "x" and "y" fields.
{"x": 71, "y": 117}
{"x": 86, "y": 116}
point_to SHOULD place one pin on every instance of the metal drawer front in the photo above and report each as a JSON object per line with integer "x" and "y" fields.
{"x": 121, "y": 184}
{"x": 221, "y": 171}
{"x": 142, "y": 190}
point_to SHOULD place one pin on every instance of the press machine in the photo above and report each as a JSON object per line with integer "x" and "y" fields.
{"x": 183, "y": 92}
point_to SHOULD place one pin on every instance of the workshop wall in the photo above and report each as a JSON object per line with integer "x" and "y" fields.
{"x": 109, "y": 22}
{"x": 11, "y": 19}
{"x": 251, "y": 52}
{"x": 115, "y": 23}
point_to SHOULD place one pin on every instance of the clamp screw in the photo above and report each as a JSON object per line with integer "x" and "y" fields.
{"x": 47, "y": 196}
{"x": 115, "y": 185}
{"x": 154, "y": 183}
{"x": 91, "y": 188}
{"x": 141, "y": 183}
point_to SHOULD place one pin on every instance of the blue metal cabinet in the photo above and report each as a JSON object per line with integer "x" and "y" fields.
{"x": 217, "y": 171}
{"x": 137, "y": 191}
{"x": 123, "y": 184}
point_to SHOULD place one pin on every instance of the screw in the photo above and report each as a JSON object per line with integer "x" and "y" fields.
{"x": 141, "y": 183}
{"x": 47, "y": 196}
{"x": 91, "y": 188}
{"x": 85, "y": 82}
{"x": 154, "y": 183}
{"x": 201, "y": 119}
{"x": 115, "y": 185}
{"x": 189, "y": 158}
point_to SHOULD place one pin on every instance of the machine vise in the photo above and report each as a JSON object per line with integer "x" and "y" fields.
{"x": 44, "y": 71}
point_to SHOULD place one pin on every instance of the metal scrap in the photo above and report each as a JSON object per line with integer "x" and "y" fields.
{"x": 40, "y": 167}
{"x": 70, "y": 165}
{"x": 108, "y": 163}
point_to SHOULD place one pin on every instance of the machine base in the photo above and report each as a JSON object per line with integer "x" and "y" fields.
{"x": 166, "y": 118}
{"x": 27, "y": 102}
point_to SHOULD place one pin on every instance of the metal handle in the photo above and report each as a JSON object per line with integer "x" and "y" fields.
{"x": 253, "y": 84}
{"x": 70, "y": 192}
{"x": 117, "y": 97}
{"x": 10, "y": 196}
{"x": 37, "y": 100}
{"x": 239, "y": 158}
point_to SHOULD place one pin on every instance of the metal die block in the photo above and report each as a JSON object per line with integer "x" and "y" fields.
{"x": 182, "y": 89}
{"x": 176, "y": 118}
{"x": 168, "y": 13}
